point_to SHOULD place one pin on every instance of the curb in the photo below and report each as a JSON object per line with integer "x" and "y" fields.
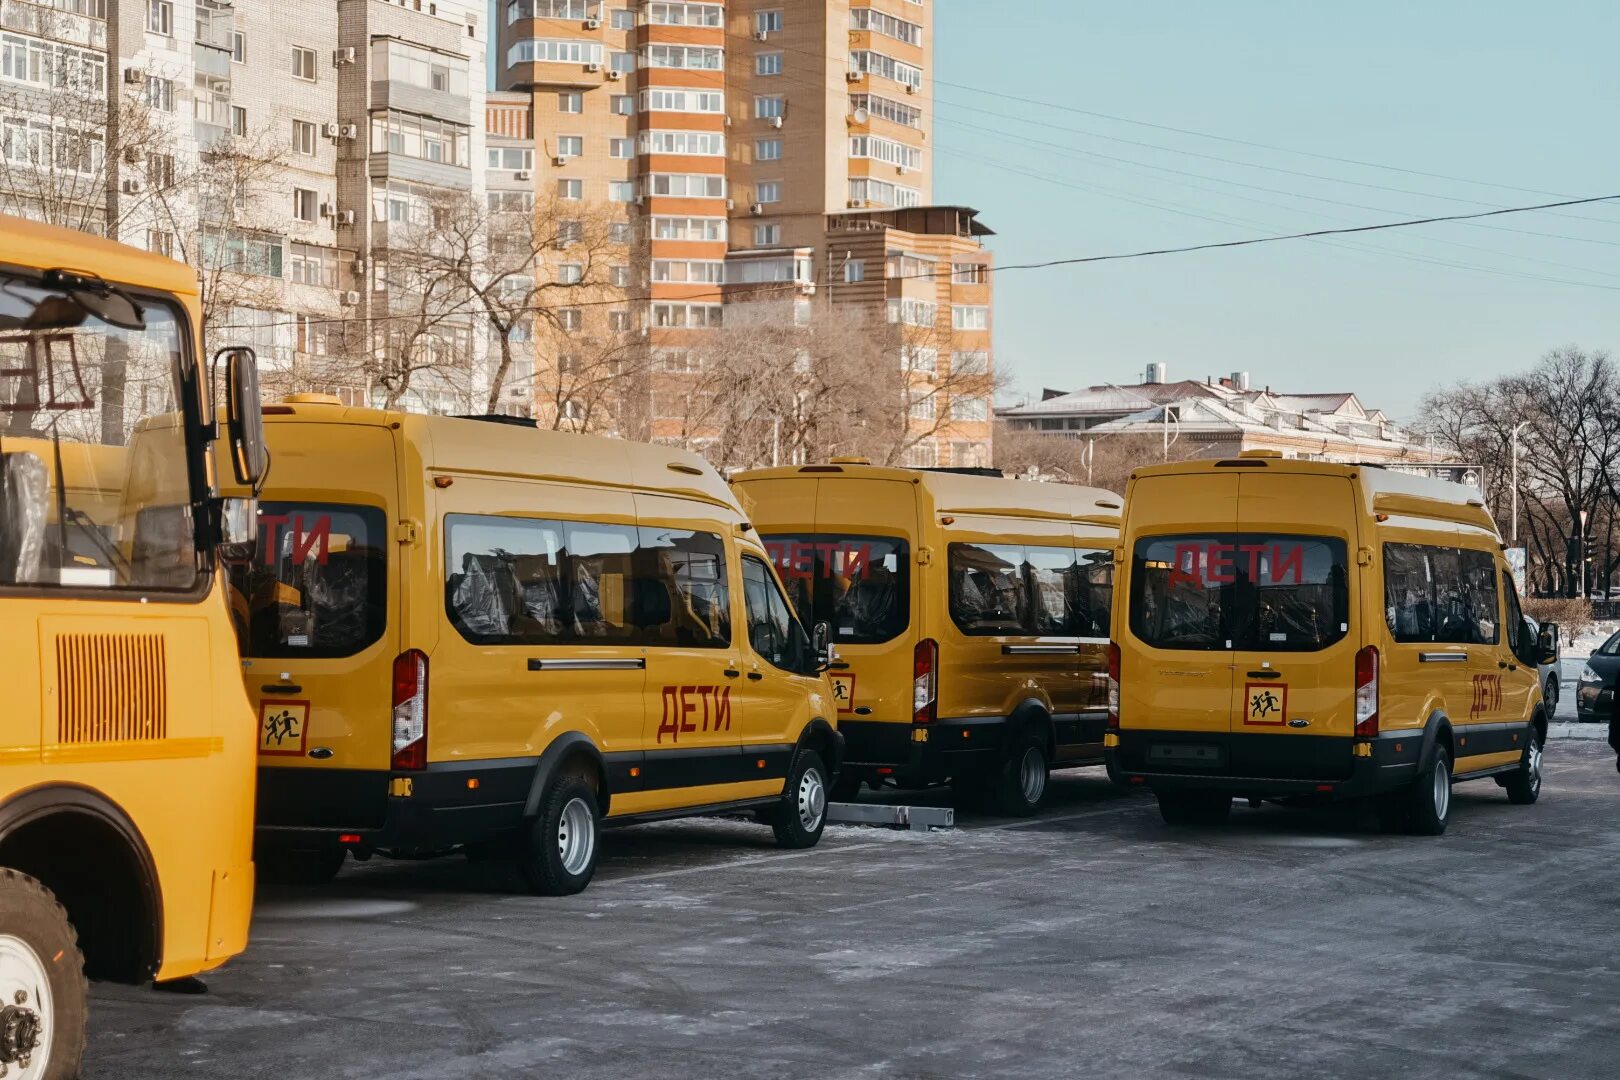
{"x": 1567, "y": 730}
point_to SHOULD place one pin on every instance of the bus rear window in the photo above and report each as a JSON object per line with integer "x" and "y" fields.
{"x": 858, "y": 585}
{"x": 317, "y": 584}
{"x": 1239, "y": 591}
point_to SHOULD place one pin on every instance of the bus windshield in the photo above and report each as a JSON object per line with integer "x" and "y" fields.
{"x": 95, "y": 486}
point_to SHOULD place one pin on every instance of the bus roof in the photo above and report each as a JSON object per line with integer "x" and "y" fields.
{"x": 960, "y": 493}
{"x": 450, "y": 444}
{"x": 49, "y": 247}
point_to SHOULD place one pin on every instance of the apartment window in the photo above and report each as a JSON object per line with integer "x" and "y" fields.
{"x": 970, "y": 409}
{"x": 160, "y": 242}
{"x": 688, "y": 57}
{"x": 570, "y": 189}
{"x": 913, "y": 312}
{"x": 621, "y": 105}
{"x": 160, "y": 170}
{"x": 691, "y": 143}
{"x": 692, "y": 101}
{"x": 769, "y": 191}
{"x": 876, "y": 63}
{"x": 555, "y": 51}
{"x": 924, "y": 408}
{"x": 768, "y": 63}
{"x": 571, "y": 101}
{"x": 888, "y": 109}
{"x": 304, "y": 137}
{"x": 619, "y": 322}
{"x": 620, "y": 232}
{"x": 854, "y": 271}
{"x": 970, "y": 317}
{"x": 311, "y": 265}
{"x": 767, "y": 149}
{"x": 619, "y": 277}
{"x": 306, "y": 204}
{"x": 886, "y": 150}
{"x": 700, "y": 316}
{"x": 160, "y": 17}
{"x": 919, "y": 359}
{"x": 925, "y": 455}
{"x": 768, "y": 22}
{"x": 303, "y": 63}
{"x": 419, "y": 137}
{"x": 30, "y": 60}
{"x": 689, "y": 271}
{"x": 882, "y": 193}
{"x": 622, "y": 19}
{"x": 970, "y": 362}
{"x": 622, "y": 62}
{"x": 969, "y": 274}
{"x": 767, "y": 235}
{"x": 883, "y": 23}
{"x": 570, "y": 145}
{"x": 160, "y": 93}
{"x": 570, "y": 273}
{"x": 571, "y": 320}
{"x": 689, "y": 228}
{"x": 310, "y": 334}
{"x": 511, "y": 158}
{"x": 678, "y": 14}
{"x": 570, "y": 232}
{"x": 238, "y": 121}
{"x": 238, "y": 47}
{"x": 767, "y": 106}
{"x": 686, "y": 185}
{"x": 621, "y": 148}
{"x": 621, "y": 191}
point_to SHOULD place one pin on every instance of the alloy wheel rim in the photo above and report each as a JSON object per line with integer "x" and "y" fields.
{"x": 1533, "y": 765}
{"x": 812, "y": 799}
{"x": 1442, "y": 790}
{"x": 576, "y": 836}
{"x": 25, "y": 982}
{"x": 1032, "y": 775}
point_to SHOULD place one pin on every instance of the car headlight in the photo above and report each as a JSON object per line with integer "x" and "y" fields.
{"x": 1589, "y": 676}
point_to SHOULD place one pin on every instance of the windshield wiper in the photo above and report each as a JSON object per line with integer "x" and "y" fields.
{"x": 77, "y": 283}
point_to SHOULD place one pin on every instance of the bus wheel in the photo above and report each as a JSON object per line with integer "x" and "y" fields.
{"x": 558, "y": 856}
{"x": 300, "y": 866}
{"x": 42, "y": 987}
{"x": 1524, "y": 786}
{"x": 1020, "y": 781}
{"x": 1194, "y": 807}
{"x": 798, "y": 820}
{"x": 1429, "y": 798}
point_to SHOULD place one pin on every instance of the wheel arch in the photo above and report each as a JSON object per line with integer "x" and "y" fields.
{"x": 823, "y": 738}
{"x": 1436, "y": 733}
{"x": 1032, "y": 715}
{"x": 567, "y": 752}
{"x": 110, "y": 885}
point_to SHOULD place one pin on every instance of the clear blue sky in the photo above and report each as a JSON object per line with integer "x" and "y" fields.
{"x": 1519, "y": 94}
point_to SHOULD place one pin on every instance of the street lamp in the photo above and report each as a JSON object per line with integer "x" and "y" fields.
{"x": 1515, "y": 526}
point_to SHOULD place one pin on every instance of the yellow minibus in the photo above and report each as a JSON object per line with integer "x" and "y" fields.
{"x": 971, "y": 615}
{"x": 1305, "y": 630}
{"x": 466, "y": 633}
{"x": 126, "y": 756}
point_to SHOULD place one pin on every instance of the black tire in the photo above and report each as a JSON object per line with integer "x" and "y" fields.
{"x": 799, "y": 819}
{"x": 847, "y": 788}
{"x": 557, "y": 853}
{"x": 1524, "y": 786}
{"x": 1194, "y": 807}
{"x": 1019, "y": 782}
{"x": 1428, "y": 800}
{"x": 31, "y": 917}
{"x": 1550, "y": 694}
{"x": 300, "y": 866}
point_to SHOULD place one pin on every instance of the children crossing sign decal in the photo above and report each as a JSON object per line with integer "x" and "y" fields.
{"x": 1265, "y": 704}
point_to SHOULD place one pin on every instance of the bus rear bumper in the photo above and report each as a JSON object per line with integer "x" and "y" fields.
{"x": 921, "y": 754}
{"x": 1262, "y": 766}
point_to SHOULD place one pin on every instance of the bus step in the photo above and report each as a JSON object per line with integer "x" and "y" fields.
{"x": 915, "y": 818}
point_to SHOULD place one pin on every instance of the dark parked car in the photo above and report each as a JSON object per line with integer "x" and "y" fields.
{"x": 1594, "y": 693}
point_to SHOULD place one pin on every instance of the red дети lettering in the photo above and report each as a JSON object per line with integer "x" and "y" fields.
{"x": 1206, "y": 565}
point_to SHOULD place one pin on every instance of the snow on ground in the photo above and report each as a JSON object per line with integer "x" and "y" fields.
{"x": 1588, "y": 642}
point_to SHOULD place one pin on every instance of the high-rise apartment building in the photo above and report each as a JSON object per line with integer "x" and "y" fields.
{"x": 765, "y": 151}
{"x": 286, "y": 149}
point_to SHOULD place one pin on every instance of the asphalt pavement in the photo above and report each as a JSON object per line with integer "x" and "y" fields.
{"x": 1092, "y": 941}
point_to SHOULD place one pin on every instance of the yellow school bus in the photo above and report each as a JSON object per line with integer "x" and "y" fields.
{"x": 970, "y": 612}
{"x": 470, "y": 634}
{"x": 126, "y": 755}
{"x": 1304, "y": 630}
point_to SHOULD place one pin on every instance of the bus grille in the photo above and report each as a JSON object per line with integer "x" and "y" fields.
{"x": 111, "y": 688}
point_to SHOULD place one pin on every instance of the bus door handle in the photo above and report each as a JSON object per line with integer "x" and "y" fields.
{"x": 732, "y": 673}
{"x": 1508, "y": 666}
{"x": 1265, "y": 674}
{"x": 282, "y": 688}
{"x": 756, "y": 675}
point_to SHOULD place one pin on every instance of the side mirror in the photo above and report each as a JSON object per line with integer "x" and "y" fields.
{"x": 1547, "y": 643}
{"x": 238, "y": 527}
{"x": 244, "y": 420}
{"x": 826, "y": 651}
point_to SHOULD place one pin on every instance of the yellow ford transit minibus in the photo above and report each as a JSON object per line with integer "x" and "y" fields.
{"x": 971, "y": 614}
{"x": 468, "y": 633}
{"x": 126, "y": 755}
{"x": 1302, "y": 629}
